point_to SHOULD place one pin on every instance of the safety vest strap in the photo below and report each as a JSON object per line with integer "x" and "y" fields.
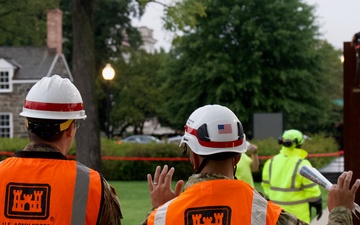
{"x": 160, "y": 216}
{"x": 80, "y": 194}
{"x": 295, "y": 202}
{"x": 292, "y": 187}
{"x": 285, "y": 189}
{"x": 259, "y": 209}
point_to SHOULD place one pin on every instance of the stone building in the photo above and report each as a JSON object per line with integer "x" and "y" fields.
{"x": 22, "y": 67}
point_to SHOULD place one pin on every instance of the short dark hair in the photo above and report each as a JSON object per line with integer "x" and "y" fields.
{"x": 221, "y": 155}
{"x": 44, "y": 129}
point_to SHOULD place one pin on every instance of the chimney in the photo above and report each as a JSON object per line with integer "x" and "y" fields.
{"x": 54, "y": 30}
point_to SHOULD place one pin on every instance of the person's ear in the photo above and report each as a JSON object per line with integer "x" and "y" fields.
{"x": 237, "y": 159}
{"x": 69, "y": 130}
{"x": 196, "y": 160}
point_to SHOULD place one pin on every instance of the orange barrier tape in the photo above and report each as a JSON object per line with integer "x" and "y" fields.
{"x": 7, "y": 153}
{"x": 262, "y": 157}
{"x": 134, "y": 158}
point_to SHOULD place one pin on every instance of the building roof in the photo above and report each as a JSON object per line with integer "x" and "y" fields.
{"x": 30, "y": 62}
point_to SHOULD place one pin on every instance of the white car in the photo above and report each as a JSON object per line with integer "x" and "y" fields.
{"x": 174, "y": 140}
{"x": 142, "y": 139}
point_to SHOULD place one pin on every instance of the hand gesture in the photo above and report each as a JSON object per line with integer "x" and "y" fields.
{"x": 253, "y": 149}
{"x": 160, "y": 188}
{"x": 340, "y": 194}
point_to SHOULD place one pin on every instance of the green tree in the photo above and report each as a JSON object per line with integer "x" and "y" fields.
{"x": 136, "y": 91}
{"x": 250, "y": 55}
{"x": 95, "y": 31}
{"x": 23, "y": 23}
{"x": 112, "y": 27}
{"x": 331, "y": 63}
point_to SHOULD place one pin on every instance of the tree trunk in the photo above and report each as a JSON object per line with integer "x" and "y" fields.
{"x": 84, "y": 71}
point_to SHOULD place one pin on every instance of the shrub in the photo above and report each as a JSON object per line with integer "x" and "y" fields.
{"x": 138, "y": 169}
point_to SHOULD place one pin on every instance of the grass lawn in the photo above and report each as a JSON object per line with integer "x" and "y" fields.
{"x": 135, "y": 200}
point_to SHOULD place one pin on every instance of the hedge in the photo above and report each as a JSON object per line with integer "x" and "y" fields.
{"x": 137, "y": 170}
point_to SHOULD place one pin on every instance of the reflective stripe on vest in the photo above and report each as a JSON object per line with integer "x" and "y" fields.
{"x": 261, "y": 212}
{"x": 295, "y": 202}
{"x": 292, "y": 187}
{"x": 160, "y": 216}
{"x": 81, "y": 193}
{"x": 256, "y": 216}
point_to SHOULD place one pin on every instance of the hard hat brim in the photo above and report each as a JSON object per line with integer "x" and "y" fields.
{"x": 53, "y": 115}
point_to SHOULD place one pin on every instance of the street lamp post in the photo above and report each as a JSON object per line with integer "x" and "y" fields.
{"x": 108, "y": 74}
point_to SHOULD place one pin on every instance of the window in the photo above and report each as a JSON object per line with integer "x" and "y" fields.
{"x": 5, "y": 125}
{"x": 7, "y": 70}
{"x": 4, "y": 80}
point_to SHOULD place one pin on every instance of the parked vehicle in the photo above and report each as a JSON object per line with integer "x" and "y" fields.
{"x": 142, "y": 139}
{"x": 174, "y": 140}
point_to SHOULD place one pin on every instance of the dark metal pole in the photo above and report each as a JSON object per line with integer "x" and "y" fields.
{"x": 108, "y": 109}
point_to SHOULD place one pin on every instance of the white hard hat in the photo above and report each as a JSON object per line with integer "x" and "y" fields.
{"x": 54, "y": 98}
{"x": 214, "y": 129}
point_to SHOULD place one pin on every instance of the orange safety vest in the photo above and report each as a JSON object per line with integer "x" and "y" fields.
{"x": 217, "y": 202}
{"x": 38, "y": 191}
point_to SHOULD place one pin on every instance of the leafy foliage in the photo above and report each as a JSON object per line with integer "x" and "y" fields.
{"x": 111, "y": 30}
{"x": 23, "y": 23}
{"x": 135, "y": 90}
{"x": 252, "y": 56}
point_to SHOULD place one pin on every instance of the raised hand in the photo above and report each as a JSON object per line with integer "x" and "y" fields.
{"x": 160, "y": 187}
{"x": 340, "y": 194}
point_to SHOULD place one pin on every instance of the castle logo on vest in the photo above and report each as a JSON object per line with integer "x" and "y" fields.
{"x": 27, "y": 201}
{"x": 208, "y": 215}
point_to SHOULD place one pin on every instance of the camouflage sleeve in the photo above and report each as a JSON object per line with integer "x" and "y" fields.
{"x": 289, "y": 219}
{"x": 340, "y": 215}
{"x": 110, "y": 211}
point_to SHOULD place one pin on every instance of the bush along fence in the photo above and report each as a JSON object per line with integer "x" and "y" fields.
{"x": 129, "y": 161}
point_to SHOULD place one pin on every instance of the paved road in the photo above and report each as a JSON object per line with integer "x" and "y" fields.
{"x": 323, "y": 219}
{"x": 337, "y": 165}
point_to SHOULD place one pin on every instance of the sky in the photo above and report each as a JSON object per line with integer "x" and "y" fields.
{"x": 337, "y": 19}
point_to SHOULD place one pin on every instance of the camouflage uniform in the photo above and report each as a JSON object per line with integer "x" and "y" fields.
{"x": 339, "y": 215}
{"x": 110, "y": 212}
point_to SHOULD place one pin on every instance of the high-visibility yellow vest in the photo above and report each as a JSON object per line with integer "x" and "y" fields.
{"x": 243, "y": 170}
{"x": 284, "y": 186}
{"x": 217, "y": 202}
{"x": 48, "y": 191}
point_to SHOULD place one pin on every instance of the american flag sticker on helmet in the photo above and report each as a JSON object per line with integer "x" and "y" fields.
{"x": 224, "y": 128}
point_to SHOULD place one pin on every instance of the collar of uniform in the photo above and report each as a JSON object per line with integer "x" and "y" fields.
{"x": 40, "y": 148}
{"x": 294, "y": 152}
{"x": 196, "y": 178}
{"x": 38, "y": 154}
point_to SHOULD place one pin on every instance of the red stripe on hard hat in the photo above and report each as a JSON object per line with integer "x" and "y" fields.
{"x": 59, "y": 107}
{"x": 213, "y": 144}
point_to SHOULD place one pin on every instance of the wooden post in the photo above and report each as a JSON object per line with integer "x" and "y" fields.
{"x": 351, "y": 117}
